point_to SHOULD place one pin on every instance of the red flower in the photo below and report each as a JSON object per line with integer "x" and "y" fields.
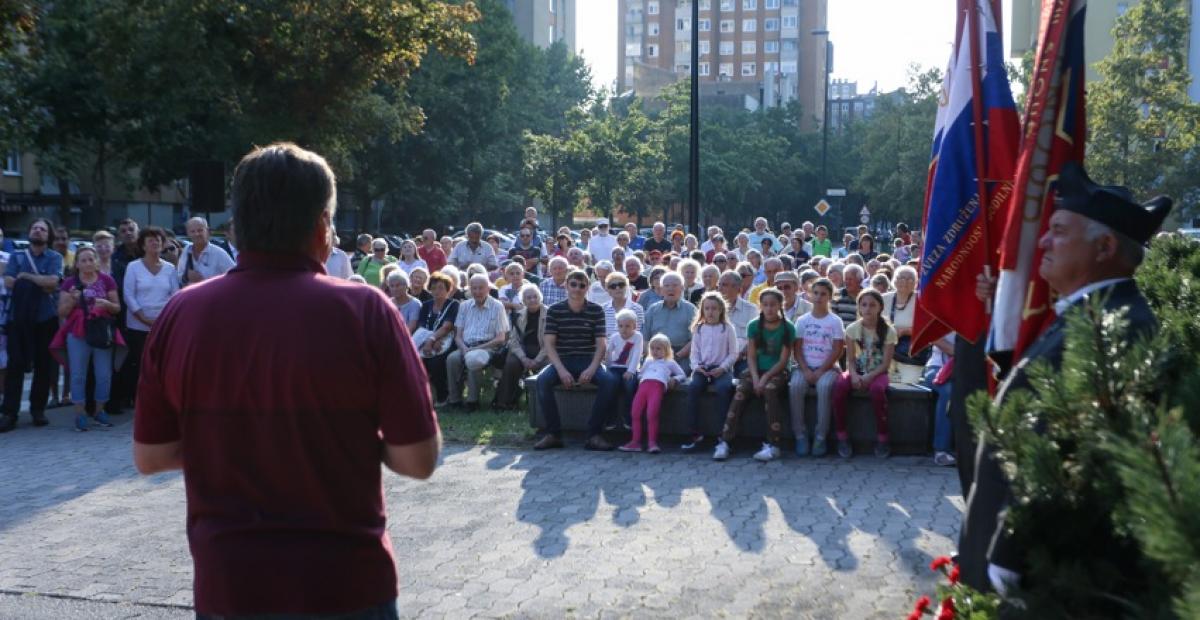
{"x": 947, "y": 611}
{"x": 939, "y": 562}
{"x": 953, "y": 576}
{"x": 922, "y": 604}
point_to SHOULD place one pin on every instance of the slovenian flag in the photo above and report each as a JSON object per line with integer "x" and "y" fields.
{"x": 975, "y": 138}
{"x": 1054, "y": 133}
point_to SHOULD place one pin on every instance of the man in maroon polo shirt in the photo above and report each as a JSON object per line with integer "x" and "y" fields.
{"x": 279, "y": 391}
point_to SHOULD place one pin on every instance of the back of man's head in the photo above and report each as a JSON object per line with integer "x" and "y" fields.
{"x": 279, "y": 195}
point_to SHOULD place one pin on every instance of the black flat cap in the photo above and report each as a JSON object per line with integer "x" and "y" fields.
{"x": 1112, "y": 205}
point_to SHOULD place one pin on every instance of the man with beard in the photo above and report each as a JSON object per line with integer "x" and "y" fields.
{"x": 32, "y": 275}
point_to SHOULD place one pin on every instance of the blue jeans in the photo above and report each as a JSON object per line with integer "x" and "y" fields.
{"x": 942, "y": 431}
{"x": 626, "y": 388}
{"x": 386, "y": 611}
{"x": 547, "y": 379}
{"x": 78, "y": 354}
{"x": 723, "y": 386}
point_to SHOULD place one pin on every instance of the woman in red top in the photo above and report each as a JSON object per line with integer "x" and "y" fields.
{"x": 87, "y": 294}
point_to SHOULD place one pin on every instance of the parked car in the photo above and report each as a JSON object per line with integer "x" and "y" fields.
{"x": 1190, "y": 233}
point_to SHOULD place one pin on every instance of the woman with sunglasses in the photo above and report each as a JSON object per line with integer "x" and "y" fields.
{"x": 371, "y": 266}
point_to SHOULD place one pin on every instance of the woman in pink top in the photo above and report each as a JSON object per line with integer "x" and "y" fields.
{"x": 88, "y": 294}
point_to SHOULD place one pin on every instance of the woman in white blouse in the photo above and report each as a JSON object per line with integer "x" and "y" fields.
{"x": 149, "y": 283}
{"x": 409, "y": 259}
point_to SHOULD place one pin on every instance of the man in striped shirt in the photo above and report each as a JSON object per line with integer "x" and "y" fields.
{"x": 575, "y": 344}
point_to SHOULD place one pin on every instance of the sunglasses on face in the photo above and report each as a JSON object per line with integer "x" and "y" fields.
{"x": 579, "y": 285}
{"x": 616, "y": 285}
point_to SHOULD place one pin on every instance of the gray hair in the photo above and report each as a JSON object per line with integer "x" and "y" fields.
{"x": 475, "y": 227}
{"x": 905, "y": 270}
{"x": 605, "y": 265}
{"x": 732, "y": 275}
{"x": 854, "y": 269}
{"x": 625, "y": 314}
{"x": 558, "y": 260}
{"x": 477, "y": 278}
{"x": 710, "y": 269}
{"x": 1130, "y": 252}
{"x": 529, "y": 286}
{"x": 634, "y": 259}
{"x": 671, "y": 276}
{"x": 397, "y": 276}
{"x": 836, "y": 267}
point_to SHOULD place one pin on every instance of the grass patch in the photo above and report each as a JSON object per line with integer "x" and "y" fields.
{"x": 486, "y": 427}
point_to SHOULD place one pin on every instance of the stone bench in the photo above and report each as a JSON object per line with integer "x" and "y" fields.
{"x": 910, "y": 413}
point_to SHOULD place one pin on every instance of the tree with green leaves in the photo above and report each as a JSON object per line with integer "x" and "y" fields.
{"x": 1144, "y": 130}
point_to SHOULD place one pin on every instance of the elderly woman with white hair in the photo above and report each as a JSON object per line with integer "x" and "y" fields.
{"x": 514, "y": 281}
{"x": 619, "y": 295}
{"x": 597, "y": 294}
{"x": 709, "y": 275}
{"x": 526, "y": 348}
{"x": 899, "y": 308}
{"x": 409, "y": 306}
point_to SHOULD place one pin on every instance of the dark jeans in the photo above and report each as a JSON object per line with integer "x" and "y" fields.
{"x": 43, "y": 366}
{"x": 386, "y": 611}
{"x": 625, "y": 391}
{"x": 435, "y": 367}
{"x": 125, "y": 380}
{"x": 547, "y": 379}
{"x": 723, "y": 386}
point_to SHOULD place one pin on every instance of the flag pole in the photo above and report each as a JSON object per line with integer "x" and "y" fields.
{"x": 980, "y": 157}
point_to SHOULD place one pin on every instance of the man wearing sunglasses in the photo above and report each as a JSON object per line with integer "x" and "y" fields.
{"x": 527, "y": 246}
{"x": 575, "y": 343}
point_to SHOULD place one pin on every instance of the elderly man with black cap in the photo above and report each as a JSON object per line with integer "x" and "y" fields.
{"x": 1094, "y": 243}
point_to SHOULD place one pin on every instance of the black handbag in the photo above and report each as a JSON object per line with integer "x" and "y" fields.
{"x": 904, "y": 356}
{"x": 97, "y": 331}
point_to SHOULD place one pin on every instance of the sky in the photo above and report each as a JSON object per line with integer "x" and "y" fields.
{"x": 874, "y": 40}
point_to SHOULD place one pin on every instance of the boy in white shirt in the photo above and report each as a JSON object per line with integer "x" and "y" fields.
{"x": 820, "y": 340}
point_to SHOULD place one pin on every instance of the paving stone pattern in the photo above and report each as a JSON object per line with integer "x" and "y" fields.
{"x": 514, "y": 533}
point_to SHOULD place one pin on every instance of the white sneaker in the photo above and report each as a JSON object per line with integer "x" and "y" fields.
{"x": 768, "y": 453}
{"x": 722, "y": 451}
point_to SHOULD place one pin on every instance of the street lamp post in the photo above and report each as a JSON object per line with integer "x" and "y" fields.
{"x": 821, "y": 32}
{"x": 694, "y": 139}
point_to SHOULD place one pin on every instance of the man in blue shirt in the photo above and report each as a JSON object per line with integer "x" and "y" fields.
{"x": 636, "y": 242}
{"x": 33, "y": 277}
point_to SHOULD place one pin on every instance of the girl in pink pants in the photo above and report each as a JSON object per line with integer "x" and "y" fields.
{"x": 870, "y": 344}
{"x": 658, "y": 373}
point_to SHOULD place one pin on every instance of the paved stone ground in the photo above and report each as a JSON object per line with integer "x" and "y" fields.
{"x": 511, "y": 533}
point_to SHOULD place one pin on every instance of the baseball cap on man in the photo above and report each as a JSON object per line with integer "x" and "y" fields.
{"x": 602, "y": 222}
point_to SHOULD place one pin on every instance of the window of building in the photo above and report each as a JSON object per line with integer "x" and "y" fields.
{"x": 772, "y": 4}
{"x": 705, "y": 5}
{"x": 791, "y": 2}
{"x": 771, "y": 47}
{"x": 749, "y": 5}
{"x": 726, "y": 48}
{"x": 683, "y": 48}
{"x": 726, "y": 69}
{"x": 749, "y": 47}
{"x": 787, "y": 67}
{"x": 12, "y": 164}
{"x": 749, "y": 69}
{"x": 726, "y": 25}
{"x": 704, "y": 68}
{"x": 633, "y": 49}
{"x": 652, "y": 51}
{"x": 789, "y": 21}
{"x": 683, "y": 25}
{"x": 705, "y": 25}
{"x": 704, "y": 48}
{"x": 683, "y": 68}
{"x": 789, "y": 45}
{"x": 771, "y": 24}
{"x": 652, "y": 29}
{"x": 770, "y": 68}
{"x": 726, "y": 5}
{"x": 749, "y": 25}
{"x": 652, "y": 7}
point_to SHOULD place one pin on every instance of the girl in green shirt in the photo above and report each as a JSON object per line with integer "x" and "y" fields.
{"x": 768, "y": 349}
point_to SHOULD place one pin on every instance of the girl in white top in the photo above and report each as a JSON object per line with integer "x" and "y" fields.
{"x": 149, "y": 282}
{"x": 622, "y": 357}
{"x": 659, "y": 373}
{"x": 409, "y": 259}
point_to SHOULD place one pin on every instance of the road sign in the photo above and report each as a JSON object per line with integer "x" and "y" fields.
{"x": 822, "y": 207}
{"x": 865, "y": 212}
{"x": 837, "y": 193}
{"x": 865, "y": 219}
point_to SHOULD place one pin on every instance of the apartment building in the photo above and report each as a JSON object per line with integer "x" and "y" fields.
{"x": 764, "y": 49}
{"x": 1101, "y": 17}
{"x": 543, "y": 22}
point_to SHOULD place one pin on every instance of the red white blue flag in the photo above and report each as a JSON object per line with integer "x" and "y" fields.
{"x": 1054, "y": 133}
{"x": 972, "y": 163}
